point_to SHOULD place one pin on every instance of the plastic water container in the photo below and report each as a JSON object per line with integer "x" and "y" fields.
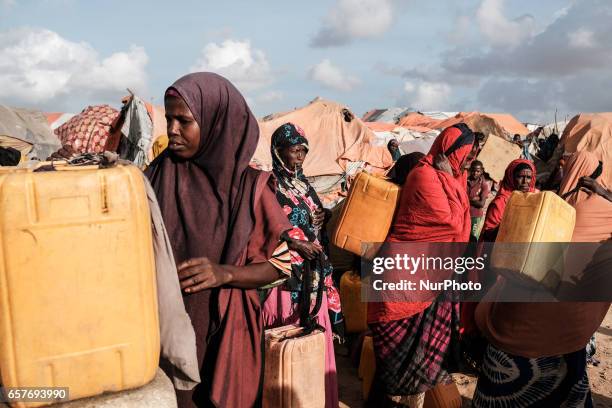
{"x": 78, "y": 300}
{"x": 367, "y": 214}
{"x": 531, "y": 225}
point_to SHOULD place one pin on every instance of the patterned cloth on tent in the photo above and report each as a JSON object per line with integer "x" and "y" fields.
{"x": 87, "y": 132}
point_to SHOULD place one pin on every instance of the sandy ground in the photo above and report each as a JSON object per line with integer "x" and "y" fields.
{"x": 600, "y": 376}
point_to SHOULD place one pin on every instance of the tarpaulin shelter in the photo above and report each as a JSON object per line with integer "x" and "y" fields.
{"x": 591, "y": 132}
{"x": 27, "y": 131}
{"x": 439, "y": 114}
{"x": 509, "y": 123}
{"x": 478, "y": 122}
{"x": 419, "y": 120}
{"x": 336, "y": 137}
{"x": 390, "y": 127}
{"x": 388, "y": 115}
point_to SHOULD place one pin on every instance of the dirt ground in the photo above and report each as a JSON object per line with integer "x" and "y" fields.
{"x": 600, "y": 376}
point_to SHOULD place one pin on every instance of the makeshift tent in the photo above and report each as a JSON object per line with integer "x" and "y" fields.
{"x": 88, "y": 131}
{"x": 478, "y": 123}
{"x": 440, "y": 115}
{"x": 400, "y": 129}
{"x": 509, "y": 123}
{"x": 27, "y": 131}
{"x": 591, "y": 132}
{"x": 336, "y": 138}
{"x": 390, "y": 115}
{"x": 419, "y": 120}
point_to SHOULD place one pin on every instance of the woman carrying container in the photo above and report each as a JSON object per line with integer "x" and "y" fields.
{"x": 307, "y": 241}
{"x": 537, "y": 351}
{"x": 411, "y": 339}
{"x": 225, "y": 228}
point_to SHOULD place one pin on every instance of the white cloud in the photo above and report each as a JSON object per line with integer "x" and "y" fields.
{"x": 246, "y": 67}
{"x": 7, "y": 3}
{"x": 581, "y": 38}
{"x": 271, "y": 96}
{"x": 40, "y": 67}
{"x": 499, "y": 30}
{"x": 354, "y": 19}
{"x": 428, "y": 95}
{"x": 331, "y": 76}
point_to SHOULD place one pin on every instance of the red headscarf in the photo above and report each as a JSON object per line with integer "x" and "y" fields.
{"x": 498, "y": 205}
{"x": 433, "y": 207}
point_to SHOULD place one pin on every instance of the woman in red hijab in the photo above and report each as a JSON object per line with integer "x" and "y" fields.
{"x": 520, "y": 175}
{"x": 411, "y": 339}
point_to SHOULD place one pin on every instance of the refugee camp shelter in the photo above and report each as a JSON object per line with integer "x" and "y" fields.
{"x": 388, "y": 115}
{"x": 27, "y": 131}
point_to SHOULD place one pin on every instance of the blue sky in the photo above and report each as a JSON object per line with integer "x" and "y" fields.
{"x": 516, "y": 56}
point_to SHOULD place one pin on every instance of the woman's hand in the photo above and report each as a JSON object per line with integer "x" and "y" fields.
{"x": 318, "y": 218}
{"x": 306, "y": 249}
{"x": 441, "y": 163}
{"x": 592, "y": 185}
{"x": 197, "y": 274}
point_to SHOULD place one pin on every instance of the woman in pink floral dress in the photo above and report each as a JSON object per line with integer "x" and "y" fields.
{"x": 306, "y": 242}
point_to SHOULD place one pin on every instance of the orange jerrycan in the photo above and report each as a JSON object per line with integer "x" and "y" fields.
{"x": 355, "y": 311}
{"x": 530, "y": 221}
{"x": 367, "y": 214}
{"x": 78, "y": 300}
{"x": 367, "y": 366}
{"x": 294, "y": 368}
{"x": 443, "y": 396}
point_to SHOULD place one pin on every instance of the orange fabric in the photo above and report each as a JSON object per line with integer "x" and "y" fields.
{"x": 333, "y": 141}
{"x": 509, "y": 123}
{"x": 591, "y": 132}
{"x": 478, "y": 122}
{"x": 420, "y": 120}
{"x": 380, "y": 126}
{"x": 52, "y": 117}
{"x": 535, "y": 329}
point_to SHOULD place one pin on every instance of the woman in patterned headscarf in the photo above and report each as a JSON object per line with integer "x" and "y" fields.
{"x": 306, "y": 241}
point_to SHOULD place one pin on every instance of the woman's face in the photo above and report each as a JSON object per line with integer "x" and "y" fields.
{"x": 183, "y": 130}
{"x": 293, "y": 156}
{"x": 522, "y": 180}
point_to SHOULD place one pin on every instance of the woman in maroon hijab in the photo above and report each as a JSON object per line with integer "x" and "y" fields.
{"x": 225, "y": 227}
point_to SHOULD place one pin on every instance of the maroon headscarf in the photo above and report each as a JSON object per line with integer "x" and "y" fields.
{"x": 207, "y": 203}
